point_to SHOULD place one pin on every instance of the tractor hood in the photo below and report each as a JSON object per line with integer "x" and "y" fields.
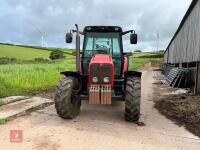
{"x": 101, "y": 66}
{"x": 101, "y": 59}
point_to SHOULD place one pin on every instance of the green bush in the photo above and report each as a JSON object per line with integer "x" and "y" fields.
{"x": 138, "y": 51}
{"x": 57, "y": 54}
{"x": 42, "y": 60}
{"x": 7, "y": 60}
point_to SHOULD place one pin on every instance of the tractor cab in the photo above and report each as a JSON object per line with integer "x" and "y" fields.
{"x": 103, "y": 40}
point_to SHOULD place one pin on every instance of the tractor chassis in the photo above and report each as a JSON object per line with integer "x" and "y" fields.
{"x": 119, "y": 86}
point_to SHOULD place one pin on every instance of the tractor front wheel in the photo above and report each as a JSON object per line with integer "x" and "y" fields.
{"x": 67, "y": 103}
{"x": 132, "y": 99}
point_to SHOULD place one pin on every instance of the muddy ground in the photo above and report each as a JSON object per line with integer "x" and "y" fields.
{"x": 48, "y": 95}
{"x": 184, "y": 110}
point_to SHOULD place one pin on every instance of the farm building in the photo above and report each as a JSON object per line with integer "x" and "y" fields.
{"x": 183, "y": 50}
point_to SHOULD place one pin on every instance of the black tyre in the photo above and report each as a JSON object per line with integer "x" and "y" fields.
{"x": 67, "y": 103}
{"x": 132, "y": 99}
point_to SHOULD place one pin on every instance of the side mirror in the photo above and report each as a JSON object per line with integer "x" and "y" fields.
{"x": 69, "y": 37}
{"x": 133, "y": 38}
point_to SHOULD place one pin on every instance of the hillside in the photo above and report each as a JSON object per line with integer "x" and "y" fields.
{"x": 148, "y": 55}
{"x": 27, "y": 52}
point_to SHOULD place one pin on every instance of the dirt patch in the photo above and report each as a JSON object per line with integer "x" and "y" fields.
{"x": 157, "y": 64}
{"x": 44, "y": 143}
{"x": 184, "y": 110}
{"x": 157, "y": 82}
{"x": 141, "y": 124}
{"x": 47, "y": 95}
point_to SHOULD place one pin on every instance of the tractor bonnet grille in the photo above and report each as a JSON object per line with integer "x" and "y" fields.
{"x": 101, "y": 71}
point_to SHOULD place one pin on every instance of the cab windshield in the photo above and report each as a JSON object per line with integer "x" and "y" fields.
{"x": 102, "y": 43}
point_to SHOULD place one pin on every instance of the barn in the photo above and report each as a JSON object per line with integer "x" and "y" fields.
{"x": 183, "y": 50}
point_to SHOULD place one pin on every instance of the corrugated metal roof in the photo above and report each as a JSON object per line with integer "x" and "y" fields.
{"x": 192, "y": 5}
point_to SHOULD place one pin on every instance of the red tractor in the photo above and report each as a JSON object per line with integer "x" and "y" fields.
{"x": 101, "y": 75}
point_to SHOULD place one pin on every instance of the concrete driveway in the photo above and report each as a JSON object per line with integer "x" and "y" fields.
{"x": 100, "y": 128}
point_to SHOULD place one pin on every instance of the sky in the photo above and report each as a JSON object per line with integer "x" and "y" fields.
{"x": 155, "y": 21}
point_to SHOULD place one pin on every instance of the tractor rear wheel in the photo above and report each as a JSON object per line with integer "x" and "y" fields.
{"x": 132, "y": 99}
{"x": 67, "y": 103}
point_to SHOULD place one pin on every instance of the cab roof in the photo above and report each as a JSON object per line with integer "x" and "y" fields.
{"x": 102, "y": 29}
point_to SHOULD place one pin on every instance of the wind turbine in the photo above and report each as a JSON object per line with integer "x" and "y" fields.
{"x": 42, "y": 35}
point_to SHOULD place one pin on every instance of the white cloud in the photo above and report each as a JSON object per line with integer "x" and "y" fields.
{"x": 21, "y": 19}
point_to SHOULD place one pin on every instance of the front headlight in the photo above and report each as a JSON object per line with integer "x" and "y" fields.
{"x": 95, "y": 80}
{"x": 106, "y": 80}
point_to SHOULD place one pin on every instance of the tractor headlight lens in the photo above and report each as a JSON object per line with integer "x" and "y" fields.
{"x": 95, "y": 80}
{"x": 106, "y": 80}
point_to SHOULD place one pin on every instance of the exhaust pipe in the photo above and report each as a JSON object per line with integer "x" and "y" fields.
{"x": 77, "y": 49}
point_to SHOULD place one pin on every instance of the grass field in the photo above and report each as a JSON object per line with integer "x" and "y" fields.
{"x": 24, "y": 79}
{"x": 138, "y": 60}
{"x": 136, "y": 63}
{"x": 22, "y": 52}
{"x": 147, "y": 55}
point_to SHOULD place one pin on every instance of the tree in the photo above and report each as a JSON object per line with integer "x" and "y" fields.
{"x": 57, "y": 54}
{"x": 137, "y": 51}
